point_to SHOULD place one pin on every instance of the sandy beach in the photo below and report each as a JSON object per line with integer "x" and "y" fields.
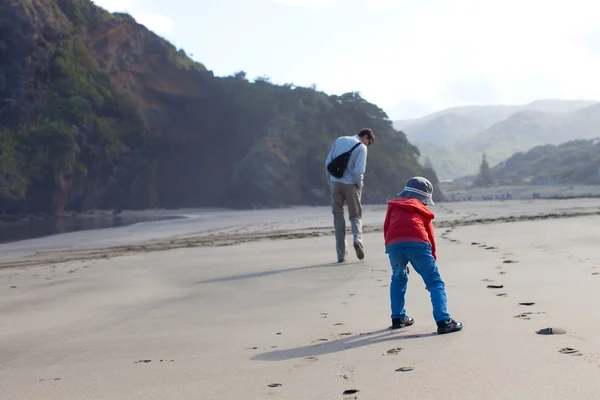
{"x": 251, "y": 305}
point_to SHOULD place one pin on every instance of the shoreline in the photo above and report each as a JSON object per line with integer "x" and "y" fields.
{"x": 176, "y": 212}
{"x": 30, "y": 228}
{"x": 210, "y": 239}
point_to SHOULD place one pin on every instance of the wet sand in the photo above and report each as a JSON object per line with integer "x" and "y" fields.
{"x": 223, "y": 309}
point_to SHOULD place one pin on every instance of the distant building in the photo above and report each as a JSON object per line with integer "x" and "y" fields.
{"x": 466, "y": 181}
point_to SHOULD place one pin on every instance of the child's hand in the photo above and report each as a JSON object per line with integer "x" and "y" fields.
{"x": 407, "y": 270}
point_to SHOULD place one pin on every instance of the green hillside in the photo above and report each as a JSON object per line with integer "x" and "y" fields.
{"x": 99, "y": 112}
{"x": 573, "y": 162}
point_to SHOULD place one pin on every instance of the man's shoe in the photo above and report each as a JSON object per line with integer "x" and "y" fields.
{"x": 398, "y": 323}
{"x": 359, "y": 250}
{"x": 449, "y": 326}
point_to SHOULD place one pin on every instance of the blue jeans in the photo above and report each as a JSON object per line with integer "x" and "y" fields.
{"x": 420, "y": 257}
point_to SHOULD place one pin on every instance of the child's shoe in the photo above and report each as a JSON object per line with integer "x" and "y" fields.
{"x": 398, "y": 323}
{"x": 449, "y": 326}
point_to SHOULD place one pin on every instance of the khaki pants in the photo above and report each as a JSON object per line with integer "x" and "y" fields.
{"x": 342, "y": 193}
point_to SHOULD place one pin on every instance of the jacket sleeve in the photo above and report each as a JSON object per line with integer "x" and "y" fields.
{"x": 431, "y": 235}
{"x": 386, "y": 222}
{"x": 360, "y": 165}
{"x": 327, "y": 161}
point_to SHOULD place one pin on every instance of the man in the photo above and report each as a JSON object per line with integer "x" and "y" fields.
{"x": 348, "y": 189}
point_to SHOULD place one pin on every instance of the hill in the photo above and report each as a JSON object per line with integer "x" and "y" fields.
{"x": 96, "y": 111}
{"x": 520, "y": 131}
{"x": 573, "y": 162}
{"x": 527, "y": 129}
{"x": 486, "y": 115}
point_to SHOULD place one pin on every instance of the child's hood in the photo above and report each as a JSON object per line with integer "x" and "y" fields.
{"x": 412, "y": 205}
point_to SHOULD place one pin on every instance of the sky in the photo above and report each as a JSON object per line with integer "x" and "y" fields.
{"x": 410, "y": 57}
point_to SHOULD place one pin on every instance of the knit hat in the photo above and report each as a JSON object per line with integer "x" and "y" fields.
{"x": 418, "y": 188}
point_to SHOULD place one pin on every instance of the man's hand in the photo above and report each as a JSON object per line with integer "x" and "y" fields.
{"x": 407, "y": 270}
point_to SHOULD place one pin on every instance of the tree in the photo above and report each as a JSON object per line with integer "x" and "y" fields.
{"x": 428, "y": 163}
{"x": 484, "y": 178}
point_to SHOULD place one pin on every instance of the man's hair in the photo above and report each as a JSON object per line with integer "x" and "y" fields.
{"x": 368, "y": 133}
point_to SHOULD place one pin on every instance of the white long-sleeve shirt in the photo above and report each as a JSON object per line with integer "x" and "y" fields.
{"x": 357, "y": 164}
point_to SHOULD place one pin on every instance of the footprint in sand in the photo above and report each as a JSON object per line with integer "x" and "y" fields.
{"x": 495, "y": 286}
{"x": 274, "y": 385}
{"x": 502, "y": 295}
{"x": 569, "y": 350}
{"x": 306, "y": 362}
{"x": 350, "y": 394}
{"x": 395, "y": 350}
{"x": 405, "y": 369}
{"x": 490, "y": 248}
{"x": 510, "y": 262}
{"x": 339, "y": 324}
{"x": 502, "y": 273}
{"x": 595, "y": 273}
{"x": 318, "y": 341}
{"x": 487, "y": 280}
{"x": 524, "y": 316}
{"x": 527, "y": 303}
{"x": 346, "y": 334}
{"x": 551, "y": 331}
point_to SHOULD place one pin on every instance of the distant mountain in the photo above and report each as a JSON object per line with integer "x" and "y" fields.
{"x": 444, "y": 129}
{"x": 573, "y": 162}
{"x": 96, "y": 111}
{"x": 490, "y": 114}
{"x": 527, "y": 129}
{"x": 455, "y": 141}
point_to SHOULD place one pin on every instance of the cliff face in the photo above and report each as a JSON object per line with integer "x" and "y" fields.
{"x": 97, "y": 111}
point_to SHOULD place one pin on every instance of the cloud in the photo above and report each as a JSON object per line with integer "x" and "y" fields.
{"x": 485, "y": 52}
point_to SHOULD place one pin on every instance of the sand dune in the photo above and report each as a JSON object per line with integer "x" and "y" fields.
{"x": 241, "y": 315}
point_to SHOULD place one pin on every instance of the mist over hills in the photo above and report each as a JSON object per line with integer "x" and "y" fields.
{"x": 455, "y": 139}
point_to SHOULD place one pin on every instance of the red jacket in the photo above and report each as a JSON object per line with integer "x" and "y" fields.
{"x": 408, "y": 220}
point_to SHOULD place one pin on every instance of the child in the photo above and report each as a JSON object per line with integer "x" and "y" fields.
{"x": 408, "y": 233}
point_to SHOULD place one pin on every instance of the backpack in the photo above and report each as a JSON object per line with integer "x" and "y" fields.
{"x": 338, "y": 165}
